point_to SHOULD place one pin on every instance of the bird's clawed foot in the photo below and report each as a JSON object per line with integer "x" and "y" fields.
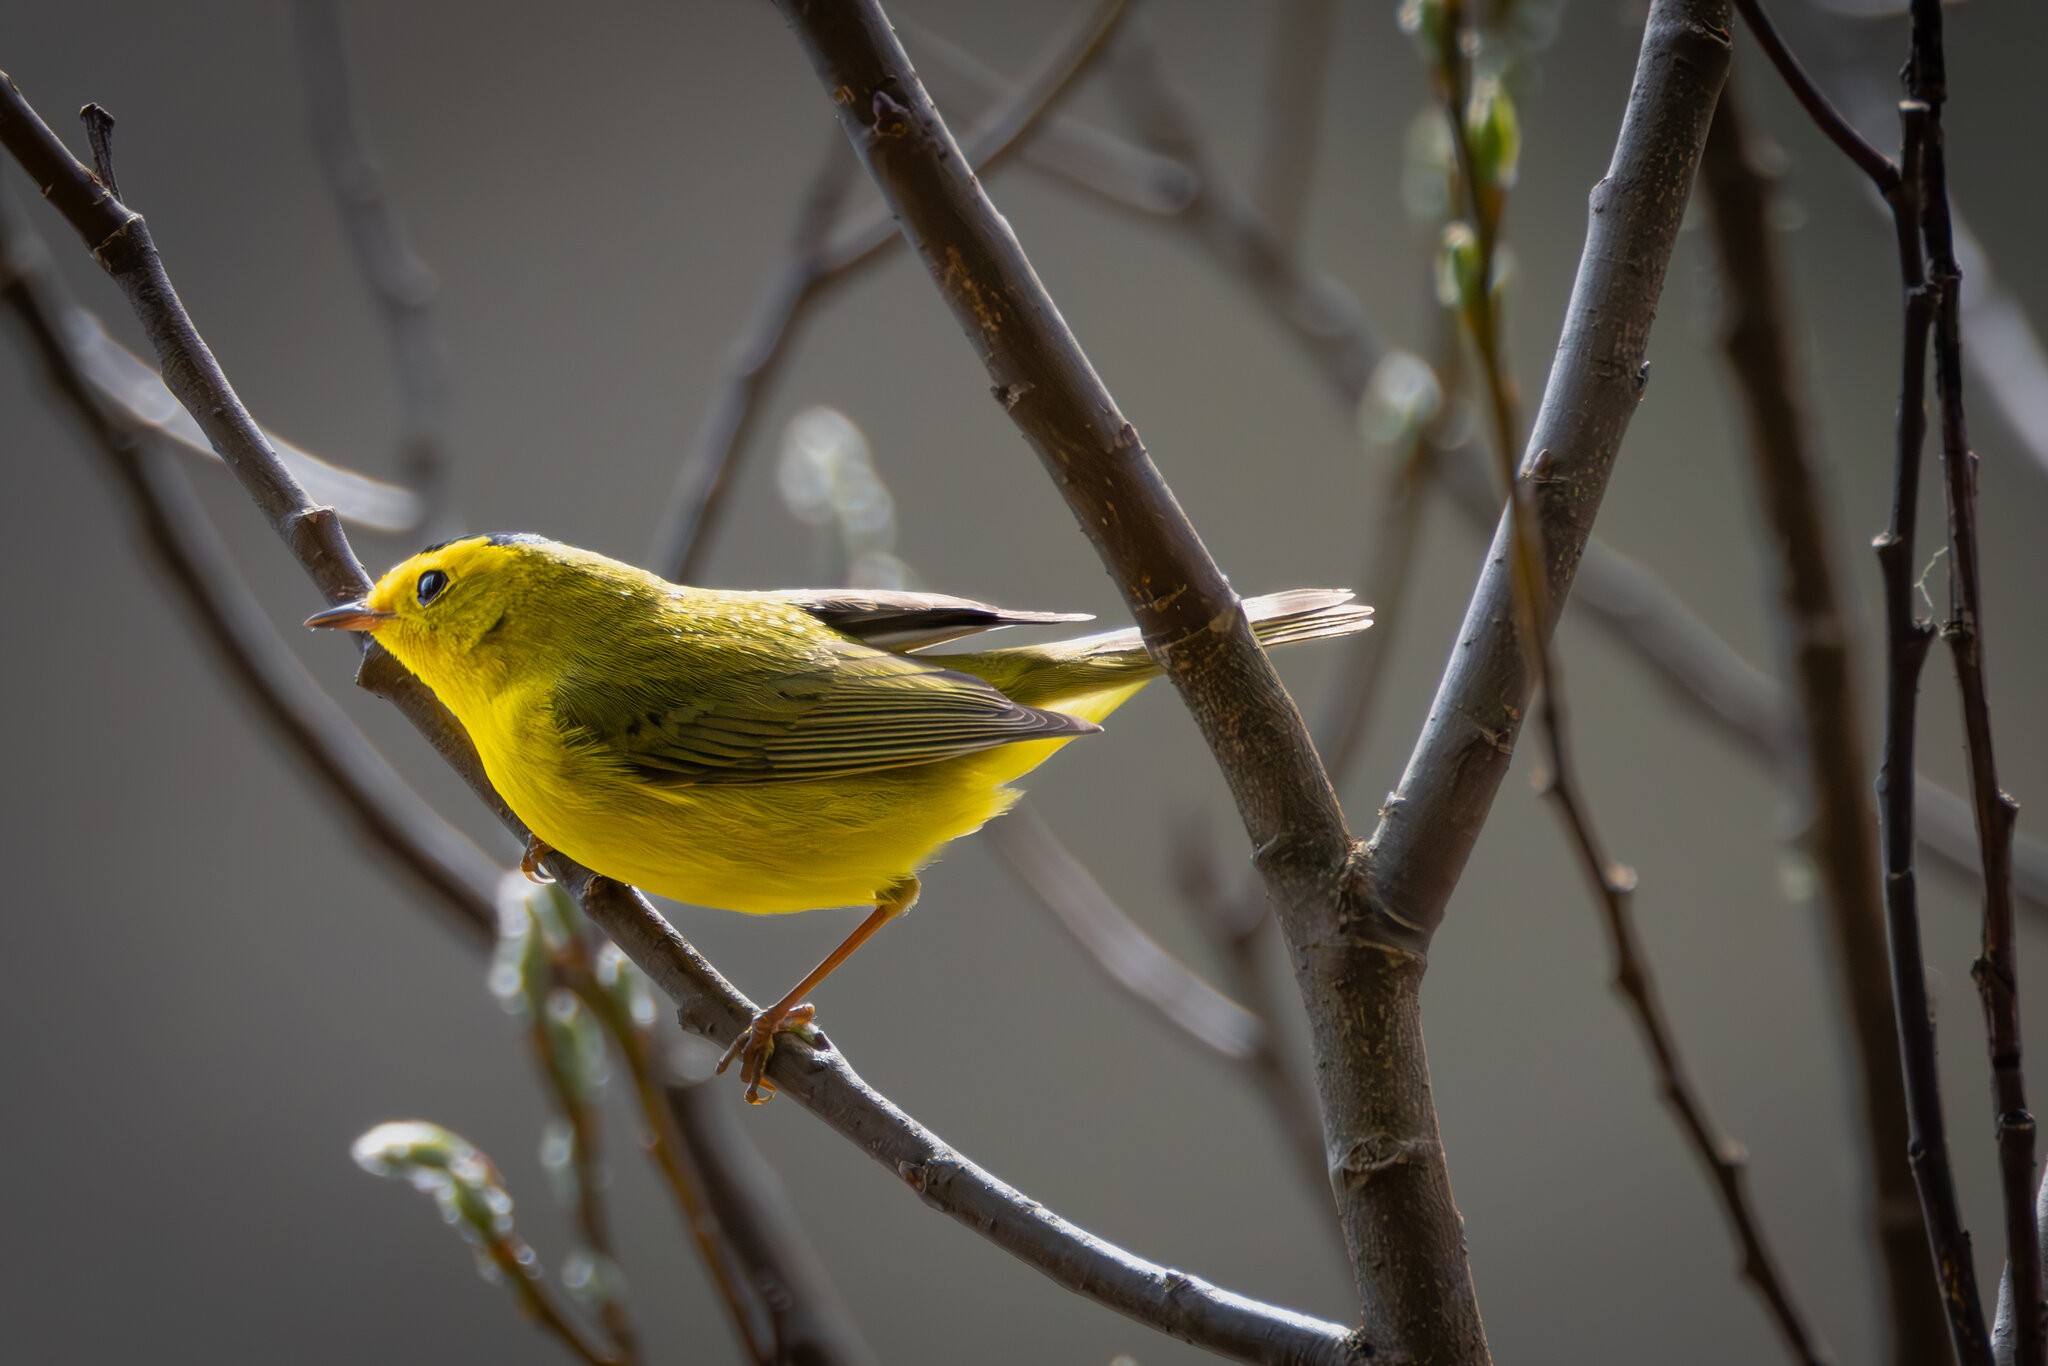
{"x": 756, "y": 1045}
{"x": 529, "y": 862}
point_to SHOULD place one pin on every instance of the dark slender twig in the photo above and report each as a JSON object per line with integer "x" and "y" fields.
{"x": 1997, "y": 968}
{"x": 820, "y": 1080}
{"x": 1907, "y": 637}
{"x": 1881, "y": 170}
{"x": 401, "y": 284}
{"x": 821, "y": 255}
{"x": 1285, "y": 168}
{"x": 811, "y": 1324}
{"x": 1816, "y": 650}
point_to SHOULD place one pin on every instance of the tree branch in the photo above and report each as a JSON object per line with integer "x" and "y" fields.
{"x": 1168, "y": 1300}
{"x": 1816, "y": 651}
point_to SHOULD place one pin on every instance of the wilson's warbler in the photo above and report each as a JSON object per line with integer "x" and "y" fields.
{"x": 760, "y": 752}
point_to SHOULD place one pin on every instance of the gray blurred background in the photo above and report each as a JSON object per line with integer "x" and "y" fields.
{"x": 209, "y": 988}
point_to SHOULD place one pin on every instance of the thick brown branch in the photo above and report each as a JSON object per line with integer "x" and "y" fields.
{"x": 1168, "y": 1300}
{"x": 1817, "y": 657}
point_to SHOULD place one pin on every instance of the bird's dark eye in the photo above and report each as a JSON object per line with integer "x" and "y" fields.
{"x": 431, "y": 584}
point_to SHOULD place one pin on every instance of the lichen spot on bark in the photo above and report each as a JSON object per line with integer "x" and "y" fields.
{"x": 960, "y": 282}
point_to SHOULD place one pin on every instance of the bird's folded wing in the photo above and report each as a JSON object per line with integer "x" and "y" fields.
{"x": 910, "y": 621}
{"x": 857, "y": 711}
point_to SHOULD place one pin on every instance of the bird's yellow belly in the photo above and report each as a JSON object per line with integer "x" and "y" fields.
{"x": 762, "y": 849}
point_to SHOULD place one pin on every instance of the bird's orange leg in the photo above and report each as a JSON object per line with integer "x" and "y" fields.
{"x": 756, "y": 1043}
{"x": 529, "y": 862}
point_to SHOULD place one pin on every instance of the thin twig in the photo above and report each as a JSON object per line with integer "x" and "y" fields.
{"x": 1816, "y": 650}
{"x": 819, "y": 1080}
{"x": 821, "y": 256}
{"x": 1907, "y": 636}
{"x": 401, "y": 284}
{"x": 515, "y": 1266}
{"x": 1881, "y": 170}
{"x": 1484, "y": 199}
{"x": 1997, "y": 969}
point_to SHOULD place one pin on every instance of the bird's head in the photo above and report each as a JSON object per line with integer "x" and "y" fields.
{"x": 463, "y": 611}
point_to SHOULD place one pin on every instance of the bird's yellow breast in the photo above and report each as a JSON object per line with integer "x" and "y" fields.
{"x": 764, "y": 850}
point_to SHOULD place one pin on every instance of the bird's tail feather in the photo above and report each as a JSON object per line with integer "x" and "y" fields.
{"x": 1091, "y": 676}
{"x": 1276, "y": 618}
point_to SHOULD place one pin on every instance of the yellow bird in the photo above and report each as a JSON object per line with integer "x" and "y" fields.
{"x": 759, "y": 752}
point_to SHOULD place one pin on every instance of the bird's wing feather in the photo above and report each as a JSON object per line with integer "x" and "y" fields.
{"x": 850, "y": 710}
{"x": 910, "y": 621}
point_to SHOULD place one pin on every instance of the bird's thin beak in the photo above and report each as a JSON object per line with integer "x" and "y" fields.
{"x": 349, "y": 616}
